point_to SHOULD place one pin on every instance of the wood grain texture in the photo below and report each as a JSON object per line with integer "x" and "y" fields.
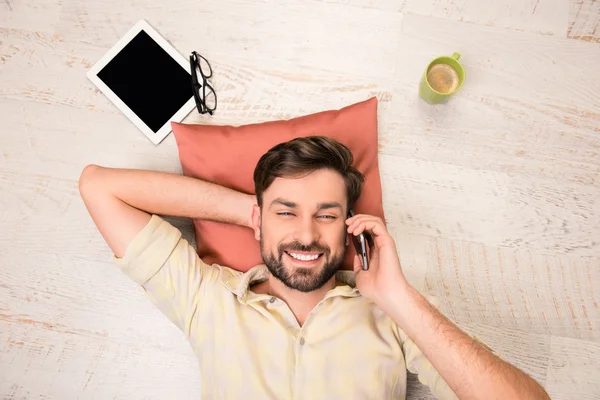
{"x": 545, "y": 17}
{"x": 516, "y": 289}
{"x": 584, "y": 20}
{"x": 492, "y": 199}
{"x": 573, "y": 369}
{"x": 65, "y": 364}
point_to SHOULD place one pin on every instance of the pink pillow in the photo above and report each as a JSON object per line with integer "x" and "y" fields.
{"x": 227, "y": 155}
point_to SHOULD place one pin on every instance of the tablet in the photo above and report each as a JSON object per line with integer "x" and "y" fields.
{"x": 147, "y": 79}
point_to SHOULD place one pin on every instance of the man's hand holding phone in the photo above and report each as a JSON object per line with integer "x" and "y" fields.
{"x": 384, "y": 274}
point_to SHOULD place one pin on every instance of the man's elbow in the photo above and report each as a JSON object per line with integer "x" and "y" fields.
{"x": 541, "y": 393}
{"x": 88, "y": 179}
{"x": 529, "y": 389}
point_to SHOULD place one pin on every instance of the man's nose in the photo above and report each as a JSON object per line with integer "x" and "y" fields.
{"x": 307, "y": 232}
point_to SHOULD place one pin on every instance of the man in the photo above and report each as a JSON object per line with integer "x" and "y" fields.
{"x": 296, "y": 327}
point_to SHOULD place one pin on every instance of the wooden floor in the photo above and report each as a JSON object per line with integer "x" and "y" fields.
{"x": 493, "y": 198}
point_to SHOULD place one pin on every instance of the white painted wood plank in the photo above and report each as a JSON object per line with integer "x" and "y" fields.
{"x": 77, "y": 138}
{"x": 551, "y": 152}
{"x": 44, "y": 15}
{"x": 483, "y": 206}
{"x": 516, "y": 289}
{"x": 584, "y": 20}
{"x": 388, "y": 5}
{"x": 546, "y": 17}
{"x": 48, "y": 363}
{"x": 413, "y": 251}
{"x": 574, "y": 369}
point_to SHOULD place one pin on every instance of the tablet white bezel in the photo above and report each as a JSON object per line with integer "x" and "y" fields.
{"x": 92, "y": 75}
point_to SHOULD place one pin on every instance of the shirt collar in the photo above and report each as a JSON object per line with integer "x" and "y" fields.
{"x": 239, "y": 283}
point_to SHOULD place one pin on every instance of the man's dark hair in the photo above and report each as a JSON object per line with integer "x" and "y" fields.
{"x": 301, "y": 156}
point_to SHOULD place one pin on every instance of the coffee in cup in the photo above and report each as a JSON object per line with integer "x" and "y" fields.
{"x": 443, "y": 77}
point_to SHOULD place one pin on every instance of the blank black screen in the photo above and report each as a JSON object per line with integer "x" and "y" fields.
{"x": 146, "y": 78}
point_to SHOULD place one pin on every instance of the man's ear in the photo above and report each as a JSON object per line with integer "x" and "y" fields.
{"x": 256, "y": 221}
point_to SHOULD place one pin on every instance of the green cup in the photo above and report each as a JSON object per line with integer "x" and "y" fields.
{"x": 443, "y": 77}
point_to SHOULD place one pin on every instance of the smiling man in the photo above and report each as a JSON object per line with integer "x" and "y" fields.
{"x": 301, "y": 227}
{"x": 295, "y": 327}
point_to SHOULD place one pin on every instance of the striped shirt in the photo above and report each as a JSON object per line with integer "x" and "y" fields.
{"x": 250, "y": 346}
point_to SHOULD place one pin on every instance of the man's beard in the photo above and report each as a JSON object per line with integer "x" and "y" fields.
{"x": 303, "y": 279}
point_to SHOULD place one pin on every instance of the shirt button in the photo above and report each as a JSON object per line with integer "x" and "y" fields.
{"x": 302, "y": 341}
{"x": 272, "y": 300}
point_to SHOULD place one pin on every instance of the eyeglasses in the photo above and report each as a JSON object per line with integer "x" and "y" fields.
{"x": 204, "y": 94}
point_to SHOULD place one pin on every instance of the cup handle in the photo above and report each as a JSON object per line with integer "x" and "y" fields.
{"x": 456, "y": 56}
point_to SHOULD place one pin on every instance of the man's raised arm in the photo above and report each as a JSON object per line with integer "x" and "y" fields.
{"x": 120, "y": 201}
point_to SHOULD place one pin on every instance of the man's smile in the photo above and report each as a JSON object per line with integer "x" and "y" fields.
{"x": 303, "y": 258}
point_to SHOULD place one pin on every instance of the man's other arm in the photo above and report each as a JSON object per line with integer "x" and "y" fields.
{"x": 120, "y": 201}
{"x": 470, "y": 370}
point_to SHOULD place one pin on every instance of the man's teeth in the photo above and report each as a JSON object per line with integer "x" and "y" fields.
{"x": 303, "y": 257}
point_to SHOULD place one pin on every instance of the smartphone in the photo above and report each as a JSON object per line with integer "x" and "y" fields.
{"x": 360, "y": 244}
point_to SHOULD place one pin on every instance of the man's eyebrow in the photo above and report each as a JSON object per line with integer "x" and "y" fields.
{"x": 291, "y": 204}
{"x": 283, "y": 202}
{"x": 325, "y": 206}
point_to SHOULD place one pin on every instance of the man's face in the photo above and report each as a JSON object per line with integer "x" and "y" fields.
{"x": 302, "y": 229}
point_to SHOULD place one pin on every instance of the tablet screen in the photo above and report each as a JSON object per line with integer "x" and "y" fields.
{"x": 148, "y": 80}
